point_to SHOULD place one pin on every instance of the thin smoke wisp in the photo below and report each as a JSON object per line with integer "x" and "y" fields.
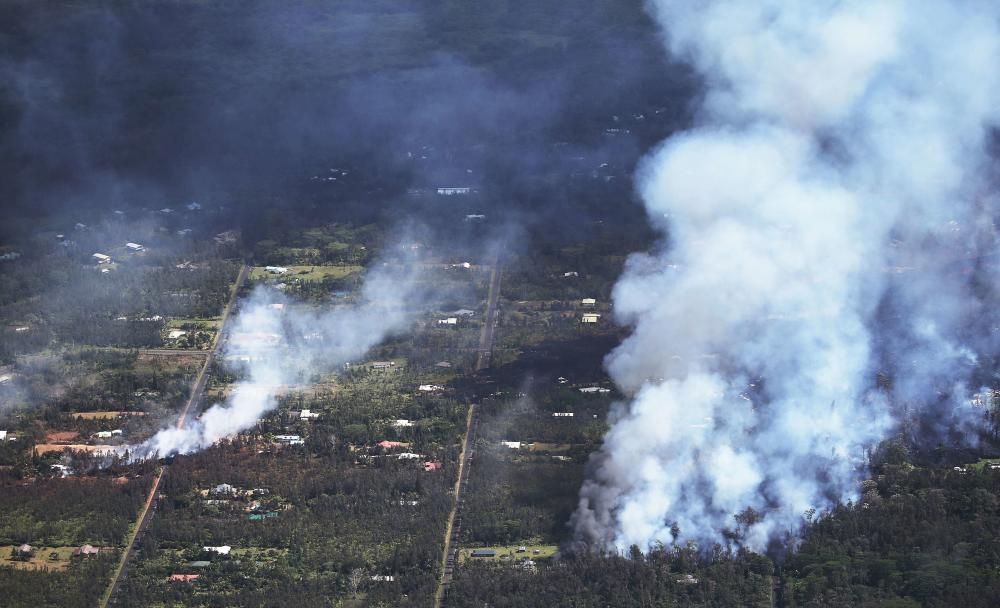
{"x": 838, "y": 167}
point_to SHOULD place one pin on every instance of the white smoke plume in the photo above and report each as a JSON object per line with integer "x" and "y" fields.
{"x": 837, "y": 140}
{"x": 279, "y": 344}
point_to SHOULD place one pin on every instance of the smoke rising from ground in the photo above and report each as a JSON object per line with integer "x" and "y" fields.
{"x": 279, "y": 344}
{"x": 815, "y": 217}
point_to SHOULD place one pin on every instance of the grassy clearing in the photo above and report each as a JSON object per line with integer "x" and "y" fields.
{"x": 307, "y": 273}
{"x": 985, "y": 463}
{"x": 511, "y": 552}
{"x": 105, "y": 415}
{"x": 41, "y": 560}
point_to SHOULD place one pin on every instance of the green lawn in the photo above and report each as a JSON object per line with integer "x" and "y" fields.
{"x": 306, "y": 273}
{"x": 544, "y": 552}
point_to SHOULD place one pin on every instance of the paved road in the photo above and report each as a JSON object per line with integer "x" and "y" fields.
{"x": 189, "y": 409}
{"x": 454, "y": 527}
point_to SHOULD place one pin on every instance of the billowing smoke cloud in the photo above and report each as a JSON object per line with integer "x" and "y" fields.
{"x": 815, "y": 220}
{"x": 281, "y": 344}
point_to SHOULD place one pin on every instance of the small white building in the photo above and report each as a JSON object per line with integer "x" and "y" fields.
{"x": 562, "y": 414}
{"x": 276, "y": 269}
{"x": 465, "y": 265}
{"x": 173, "y": 334}
{"x": 514, "y": 445}
{"x": 136, "y": 247}
{"x": 588, "y": 302}
{"x": 102, "y": 258}
{"x": 429, "y": 388}
{"x": 3, "y": 435}
{"x": 475, "y": 217}
{"x": 590, "y": 318}
{"x": 401, "y": 423}
{"x": 409, "y": 456}
{"x": 289, "y": 439}
{"x": 103, "y": 434}
{"x": 5, "y": 378}
{"x": 222, "y": 550}
{"x": 571, "y": 273}
{"x": 308, "y": 415}
{"x": 448, "y": 321}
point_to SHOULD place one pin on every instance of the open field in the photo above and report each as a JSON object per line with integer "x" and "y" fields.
{"x": 504, "y": 552}
{"x": 105, "y": 415}
{"x": 306, "y": 273}
{"x": 45, "y": 448}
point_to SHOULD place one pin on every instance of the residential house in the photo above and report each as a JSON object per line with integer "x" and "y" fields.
{"x": 588, "y": 302}
{"x": 448, "y": 321}
{"x": 289, "y": 439}
{"x": 3, "y": 435}
{"x": 135, "y": 247}
{"x": 429, "y": 388}
{"x": 514, "y": 445}
{"x": 383, "y": 364}
{"x": 221, "y": 550}
{"x": 184, "y": 578}
{"x": 102, "y": 258}
{"x": 388, "y": 445}
{"x": 432, "y": 465}
{"x": 275, "y": 269}
{"x": 590, "y": 318}
{"x": 562, "y": 414}
{"x": 401, "y": 424}
{"x": 85, "y": 551}
{"x": 308, "y": 415}
{"x": 483, "y": 553}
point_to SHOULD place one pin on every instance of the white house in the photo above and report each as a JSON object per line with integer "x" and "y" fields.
{"x": 590, "y": 318}
{"x": 4, "y": 379}
{"x": 103, "y": 434}
{"x": 448, "y": 321}
{"x": 3, "y": 435}
{"x": 589, "y": 389}
{"x": 223, "y": 550}
{"x": 276, "y": 269}
{"x": 571, "y": 273}
{"x": 514, "y": 445}
{"x": 289, "y": 439}
{"x": 465, "y": 265}
{"x": 308, "y": 415}
{"x": 173, "y": 334}
{"x": 102, "y": 258}
{"x": 135, "y": 247}
{"x": 588, "y": 302}
{"x": 408, "y": 456}
{"x": 428, "y": 388}
{"x": 562, "y": 414}
{"x": 401, "y": 424}
{"x": 473, "y": 217}
{"x": 463, "y": 312}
